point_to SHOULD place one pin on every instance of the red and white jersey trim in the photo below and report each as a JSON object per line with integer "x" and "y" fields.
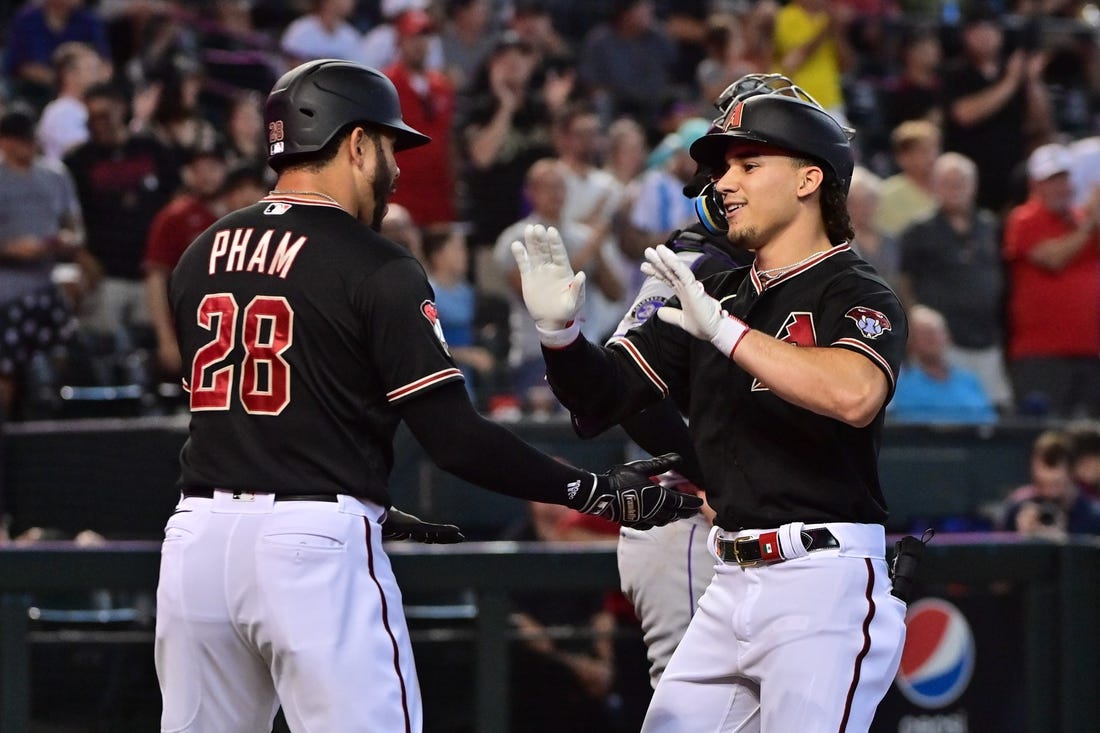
{"x": 647, "y": 370}
{"x": 300, "y": 201}
{"x": 423, "y": 383}
{"x": 865, "y": 349}
{"x": 821, "y": 257}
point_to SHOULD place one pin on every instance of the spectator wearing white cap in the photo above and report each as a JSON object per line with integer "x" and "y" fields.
{"x": 1053, "y": 257}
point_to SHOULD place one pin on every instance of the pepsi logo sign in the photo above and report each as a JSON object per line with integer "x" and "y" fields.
{"x": 938, "y": 659}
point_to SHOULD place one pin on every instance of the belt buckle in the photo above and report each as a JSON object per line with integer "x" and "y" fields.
{"x": 737, "y": 552}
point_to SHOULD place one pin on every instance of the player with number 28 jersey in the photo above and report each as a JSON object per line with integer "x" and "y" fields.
{"x": 281, "y": 289}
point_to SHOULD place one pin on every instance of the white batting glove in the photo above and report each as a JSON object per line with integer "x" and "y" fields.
{"x": 552, "y": 293}
{"x": 699, "y": 314}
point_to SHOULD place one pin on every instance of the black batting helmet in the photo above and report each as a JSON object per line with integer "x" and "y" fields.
{"x": 312, "y": 102}
{"x": 784, "y": 121}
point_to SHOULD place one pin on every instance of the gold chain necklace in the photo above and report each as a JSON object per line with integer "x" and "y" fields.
{"x": 279, "y": 192}
{"x": 775, "y": 272}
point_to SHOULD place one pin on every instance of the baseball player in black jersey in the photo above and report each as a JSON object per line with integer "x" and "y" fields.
{"x": 664, "y": 571}
{"x": 785, "y": 368}
{"x": 306, "y": 338}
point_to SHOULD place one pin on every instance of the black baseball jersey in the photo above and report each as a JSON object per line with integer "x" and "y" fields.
{"x": 301, "y": 329}
{"x": 767, "y": 462}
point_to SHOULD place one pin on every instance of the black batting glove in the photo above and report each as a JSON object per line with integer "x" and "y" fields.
{"x": 628, "y": 495}
{"x": 401, "y": 526}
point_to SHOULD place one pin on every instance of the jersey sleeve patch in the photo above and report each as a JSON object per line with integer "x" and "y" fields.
{"x": 429, "y": 311}
{"x": 870, "y": 322}
{"x": 645, "y": 309}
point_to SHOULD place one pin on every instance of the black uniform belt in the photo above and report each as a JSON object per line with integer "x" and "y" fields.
{"x": 209, "y": 494}
{"x": 764, "y": 549}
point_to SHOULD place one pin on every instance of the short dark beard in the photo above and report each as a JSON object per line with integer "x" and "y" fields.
{"x": 745, "y": 239}
{"x": 383, "y": 184}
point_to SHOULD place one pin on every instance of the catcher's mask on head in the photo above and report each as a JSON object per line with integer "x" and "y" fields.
{"x": 312, "y": 102}
{"x": 771, "y": 109}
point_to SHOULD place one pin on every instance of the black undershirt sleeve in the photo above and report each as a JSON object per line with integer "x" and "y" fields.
{"x": 463, "y": 443}
{"x": 590, "y": 381}
{"x": 661, "y": 429}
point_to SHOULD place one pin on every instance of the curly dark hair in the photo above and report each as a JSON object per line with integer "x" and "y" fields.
{"x": 834, "y": 203}
{"x": 834, "y": 211}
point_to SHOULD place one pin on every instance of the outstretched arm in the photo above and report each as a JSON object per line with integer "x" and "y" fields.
{"x": 462, "y": 442}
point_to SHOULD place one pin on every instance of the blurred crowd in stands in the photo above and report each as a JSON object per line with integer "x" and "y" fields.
{"x": 129, "y": 126}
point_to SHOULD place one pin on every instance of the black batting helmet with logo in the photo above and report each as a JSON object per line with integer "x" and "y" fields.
{"x": 785, "y": 122}
{"x": 312, "y": 102}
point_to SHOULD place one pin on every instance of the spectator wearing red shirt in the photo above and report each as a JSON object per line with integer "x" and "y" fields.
{"x": 1053, "y": 257}
{"x": 426, "y": 186}
{"x": 211, "y": 194}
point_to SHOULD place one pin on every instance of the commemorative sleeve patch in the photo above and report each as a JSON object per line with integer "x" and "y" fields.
{"x": 645, "y": 309}
{"x": 431, "y": 313}
{"x": 871, "y": 323}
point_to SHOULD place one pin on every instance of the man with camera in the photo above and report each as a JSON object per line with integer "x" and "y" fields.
{"x": 1052, "y": 505}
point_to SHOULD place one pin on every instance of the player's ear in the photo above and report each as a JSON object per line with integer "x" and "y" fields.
{"x": 810, "y": 179}
{"x": 357, "y": 145}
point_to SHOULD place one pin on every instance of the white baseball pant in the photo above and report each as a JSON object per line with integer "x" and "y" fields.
{"x": 293, "y": 602}
{"x": 810, "y": 644}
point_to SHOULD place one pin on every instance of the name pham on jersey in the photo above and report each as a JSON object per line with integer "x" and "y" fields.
{"x": 235, "y": 251}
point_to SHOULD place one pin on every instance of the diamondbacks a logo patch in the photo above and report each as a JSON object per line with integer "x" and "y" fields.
{"x": 871, "y": 323}
{"x": 733, "y": 119}
{"x": 429, "y": 311}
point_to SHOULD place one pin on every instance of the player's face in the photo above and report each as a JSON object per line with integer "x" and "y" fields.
{"x": 759, "y": 192}
{"x": 382, "y": 173}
